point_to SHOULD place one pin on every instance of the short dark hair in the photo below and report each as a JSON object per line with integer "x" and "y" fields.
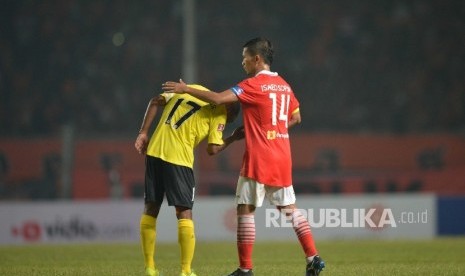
{"x": 262, "y": 47}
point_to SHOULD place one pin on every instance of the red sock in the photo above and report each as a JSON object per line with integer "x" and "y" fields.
{"x": 245, "y": 240}
{"x": 304, "y": 234}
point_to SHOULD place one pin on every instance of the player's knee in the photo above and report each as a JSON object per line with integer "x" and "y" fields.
{"x": 183, "y": 212}
{"x": 152, "y": 209}
{"x": 288, "y": 209}
{"x": 245, "y": 209}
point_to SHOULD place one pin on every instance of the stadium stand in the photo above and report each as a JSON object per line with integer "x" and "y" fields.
{"x": 370, "y": 66}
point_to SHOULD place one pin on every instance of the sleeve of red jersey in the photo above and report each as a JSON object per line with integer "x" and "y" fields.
{"x": 243, "y": 91}
{"x": 293, "y": 104}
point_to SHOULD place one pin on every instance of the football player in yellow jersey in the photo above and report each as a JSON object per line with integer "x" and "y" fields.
{"x": 184, "y": 123}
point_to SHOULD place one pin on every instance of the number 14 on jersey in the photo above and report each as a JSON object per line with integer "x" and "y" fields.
{"x": 283, "y": 108}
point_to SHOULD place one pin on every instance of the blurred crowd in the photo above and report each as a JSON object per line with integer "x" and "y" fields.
{"x": 356, "y": 66}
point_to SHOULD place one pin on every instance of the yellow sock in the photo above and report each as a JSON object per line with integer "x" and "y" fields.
{"x": 186, "y": 239}
{"x": 148, "y": 235}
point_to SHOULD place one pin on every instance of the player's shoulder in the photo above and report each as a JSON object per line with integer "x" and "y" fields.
{"x": 198, "y": 86}
{"x": 252, "y": 81}
{"x": 194, "y": 99}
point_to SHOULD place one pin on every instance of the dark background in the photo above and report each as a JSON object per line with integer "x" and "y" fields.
{"x": 356, "y": 66}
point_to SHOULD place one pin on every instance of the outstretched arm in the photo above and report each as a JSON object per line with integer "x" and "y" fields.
{"x": 216, "y": 98}
{"x": 143, "y": 138}
{"x": 237, "y": 134}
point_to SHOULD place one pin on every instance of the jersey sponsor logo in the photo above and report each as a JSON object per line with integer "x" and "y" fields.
{"x": 220, "y": 127}
{"x": 272, "y": 134}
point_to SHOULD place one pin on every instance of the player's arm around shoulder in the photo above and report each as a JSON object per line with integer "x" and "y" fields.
{"x": 143, "y": 138}
{"x": 211, "y": 97}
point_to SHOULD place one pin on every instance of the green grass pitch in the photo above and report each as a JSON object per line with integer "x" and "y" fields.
{"x": 444, "y": 256}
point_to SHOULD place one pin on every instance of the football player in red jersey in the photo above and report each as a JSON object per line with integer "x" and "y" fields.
{"x": 269, "y": 108}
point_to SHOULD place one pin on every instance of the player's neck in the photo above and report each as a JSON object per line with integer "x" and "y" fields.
{"x": 261, "y": 67}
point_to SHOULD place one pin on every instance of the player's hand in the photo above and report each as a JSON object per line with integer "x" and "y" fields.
{"x": 174, "y": 87}
{"x": 141, "y": 143}
{"x": 238, "y": 133}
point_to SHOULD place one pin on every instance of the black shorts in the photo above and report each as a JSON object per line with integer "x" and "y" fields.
{"x": 162, "y": 177}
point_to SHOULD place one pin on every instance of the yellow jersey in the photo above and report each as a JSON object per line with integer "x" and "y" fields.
{"x": 184, "y": 123}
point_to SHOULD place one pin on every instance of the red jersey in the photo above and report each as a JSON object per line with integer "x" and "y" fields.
{"x": 267, "y": 104}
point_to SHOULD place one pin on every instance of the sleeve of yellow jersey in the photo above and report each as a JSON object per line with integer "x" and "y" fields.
{"x": 217, "y": 125}
{"x": 167, "y": 96}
